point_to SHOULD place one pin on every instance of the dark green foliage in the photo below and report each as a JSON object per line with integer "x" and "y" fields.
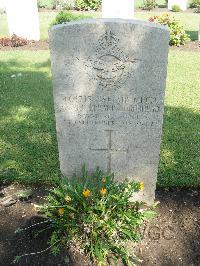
{"x": 88, "y": 4}
{"x": 197, "y": 9}
{"x": 149, "y": 4}
{"x": 195, "y": 4}
{"x": 95, "y": 214}
{"x": 66, "y": 16}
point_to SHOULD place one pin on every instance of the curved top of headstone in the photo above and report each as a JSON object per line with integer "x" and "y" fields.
{"x": 110, "y": 20}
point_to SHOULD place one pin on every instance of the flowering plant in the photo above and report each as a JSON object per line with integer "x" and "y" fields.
{"x": 95, "y": 214}
{"x": 178, "y": 35}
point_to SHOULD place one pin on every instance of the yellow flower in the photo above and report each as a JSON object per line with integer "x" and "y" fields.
{"x": 61, "y": 211}
{"x": 141, "y": 186}
{"x": 103, "y": 180}
{"x": 68, "y": 198}
{"x": 86, "y": 192}
{"x": 103, "y": 191}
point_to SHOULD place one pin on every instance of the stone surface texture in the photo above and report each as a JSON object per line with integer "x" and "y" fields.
{"x": 109, "y": 80}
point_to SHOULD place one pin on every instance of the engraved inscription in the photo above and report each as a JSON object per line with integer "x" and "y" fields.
{"x": 111, "y": 64}
{"x": 109, "y": 150}
{"x": 111, "y": 111}
{"x": 108, "y": 68}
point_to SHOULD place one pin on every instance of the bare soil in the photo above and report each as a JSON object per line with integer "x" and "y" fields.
{"x": 164, "y": 9}
{"x": 193, "y": 46}
{"x": 32, "y": 46}
{"x": 171, "y": 239}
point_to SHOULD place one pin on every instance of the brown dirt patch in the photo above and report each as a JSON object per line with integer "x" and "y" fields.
{"x": 164, "y": 9}
{"x": 32, "y": 46}
{"x": 193, "y": 46}
{"x": 189, "y": 46}
{"x": 172, "y": 239}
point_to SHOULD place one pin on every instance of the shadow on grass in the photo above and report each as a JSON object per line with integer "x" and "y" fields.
{"x": 193, "y": 35}
{"x": 28, "y": 125}
{"x": 179, "y": 158}
{"x": 162, "y": 6}
{"x": 29, "y": 147}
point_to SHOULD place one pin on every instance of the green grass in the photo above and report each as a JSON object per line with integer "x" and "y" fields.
{"x": 28, "y": 145}
{"x": 189, "y": 20}
{"x": 180, "y": 160}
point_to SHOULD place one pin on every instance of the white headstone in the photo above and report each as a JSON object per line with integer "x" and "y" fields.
{"x": 109, "y": 81}
{"x": 118, "y": 9}
{"x": 2, "y": 4}
{"x": 22, "y": 17}
{"x": 181, "y": 3}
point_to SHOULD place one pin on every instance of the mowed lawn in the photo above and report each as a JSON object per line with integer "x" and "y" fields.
{"x": 28, "y": 136}
{"x": 190, "y": 21}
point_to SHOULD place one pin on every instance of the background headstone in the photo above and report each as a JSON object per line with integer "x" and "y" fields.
{"x": 22, "y": 17}
{"x": 118, "y": 9}
{"x": 181, "y": 3}
{"x": 109, "y": 80}
{"x": 2, "y": 6}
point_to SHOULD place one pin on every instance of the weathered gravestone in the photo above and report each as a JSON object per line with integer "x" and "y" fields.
{"x": 109, "y": 80}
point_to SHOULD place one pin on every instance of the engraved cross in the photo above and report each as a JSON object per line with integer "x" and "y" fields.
{"x": 109, "y": 149}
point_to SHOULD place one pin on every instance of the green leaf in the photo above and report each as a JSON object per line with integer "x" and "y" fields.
{"x": 149, "y": 214}
{"x": 16, "y": 260}
{"x": 70, "y": 208}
